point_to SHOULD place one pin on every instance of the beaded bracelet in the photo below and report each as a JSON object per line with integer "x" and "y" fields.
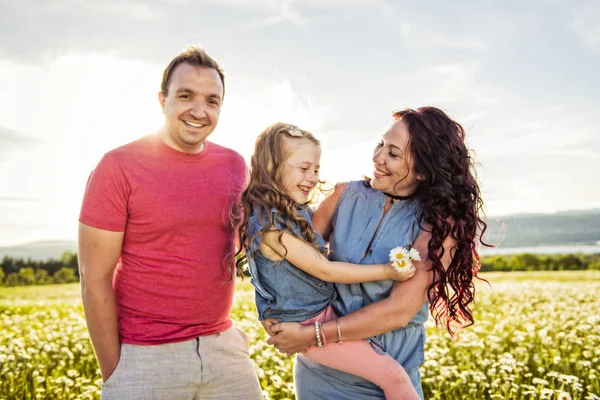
{"x": 318, "y": 334}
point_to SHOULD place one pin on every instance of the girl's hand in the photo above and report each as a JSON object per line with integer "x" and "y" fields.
{"x": 268, "y": 324}
{"x": 291, "y": 337}
{"x": 399, "y": 276}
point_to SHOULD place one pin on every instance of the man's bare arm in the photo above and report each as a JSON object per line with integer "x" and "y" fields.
{"x": 99, "y": 252}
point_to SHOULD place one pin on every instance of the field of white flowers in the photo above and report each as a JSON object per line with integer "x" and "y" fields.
{"x": 537, "y": 336}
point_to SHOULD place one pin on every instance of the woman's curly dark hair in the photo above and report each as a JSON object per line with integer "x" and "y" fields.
{"x": 450, "y": 205}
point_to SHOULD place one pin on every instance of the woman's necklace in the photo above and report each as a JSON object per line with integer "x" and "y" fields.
{"x": 393, "y": 198}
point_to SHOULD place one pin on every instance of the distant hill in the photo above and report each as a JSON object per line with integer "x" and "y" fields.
{"x": 40, "y": 250}
{"x": 562, "y": 228}
{"x": 521, "y": 230}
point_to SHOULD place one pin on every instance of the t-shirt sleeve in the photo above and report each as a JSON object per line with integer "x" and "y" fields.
{"x": 105, "y": 198}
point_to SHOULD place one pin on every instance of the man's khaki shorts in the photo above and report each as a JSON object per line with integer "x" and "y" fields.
{"x": 207, "y": 367}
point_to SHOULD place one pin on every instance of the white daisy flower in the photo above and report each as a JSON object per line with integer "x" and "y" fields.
{"x": 397, "y": 253}
{"x": 564, "y": 396}
{"x": 400, "y": 259}
{"x": 414, "y": 254}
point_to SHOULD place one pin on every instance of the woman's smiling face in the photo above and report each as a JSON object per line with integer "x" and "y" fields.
{"x": 394, "y": 171}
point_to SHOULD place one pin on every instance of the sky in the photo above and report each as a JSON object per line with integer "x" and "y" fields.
{"x": 80, "y": 77}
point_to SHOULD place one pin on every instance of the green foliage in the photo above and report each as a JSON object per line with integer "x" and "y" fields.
{"x": 70, "y": 260}
{"x": 42, "y": 277}
{"x": 65, "y": 275}
{"x": 12, "y": 279}
{"x": 536, "y": 336}
{"x": 500, "y": 263}
{"x": 595, "y": 266}
{"x": 27, "y": 276}
{"x": 539, "y": 262}
{"x": 20, "y": 272}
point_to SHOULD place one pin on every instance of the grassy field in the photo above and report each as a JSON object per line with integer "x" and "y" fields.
{"x": 537, "y": 336}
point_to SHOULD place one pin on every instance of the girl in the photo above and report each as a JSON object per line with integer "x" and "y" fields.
{"x": 291, "y": 275}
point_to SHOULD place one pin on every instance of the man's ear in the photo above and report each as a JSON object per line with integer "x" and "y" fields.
{"x": 161, "y": 100}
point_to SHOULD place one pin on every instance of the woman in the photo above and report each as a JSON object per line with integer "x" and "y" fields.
{"x": 424, "y": 195}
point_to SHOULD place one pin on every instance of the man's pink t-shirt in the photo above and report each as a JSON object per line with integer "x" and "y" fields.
{"x": 172, "y": 281}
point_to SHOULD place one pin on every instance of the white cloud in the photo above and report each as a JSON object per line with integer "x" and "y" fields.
{"x": 77, "y": 108}
{"x": 586, "y": 22}
{"x": 254, "y": 103}
{"x": 584, "y": 18}
{"x": 450, "y": 85}
{"x": 132, "y": 9}
{"x": 11, "y": 140}
{"x": 419, "y": 38}
{"x": 129, "y": 8}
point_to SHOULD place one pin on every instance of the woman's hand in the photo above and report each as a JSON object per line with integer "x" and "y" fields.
{"x": 399, "y": 276}
{"x": 291, "y": 337}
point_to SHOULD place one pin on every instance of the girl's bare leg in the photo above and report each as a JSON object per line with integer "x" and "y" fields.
{"x": 358, "y": 358}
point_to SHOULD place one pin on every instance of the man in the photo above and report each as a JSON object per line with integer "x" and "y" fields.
{"x": 156, "y": 234}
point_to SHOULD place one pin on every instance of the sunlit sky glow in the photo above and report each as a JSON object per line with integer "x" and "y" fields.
{"x": 80, "y": 77}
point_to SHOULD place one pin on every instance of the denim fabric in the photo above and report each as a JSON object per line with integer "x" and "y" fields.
{"x": 283, "y": 291}
{"x": 355, "y": 221}
{"x": 315, "y": 382}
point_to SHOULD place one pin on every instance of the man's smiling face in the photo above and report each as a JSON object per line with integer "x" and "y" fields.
{"x": 191, "y": 107}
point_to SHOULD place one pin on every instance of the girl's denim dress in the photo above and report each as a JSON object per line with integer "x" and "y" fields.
{"x": 355, "y": 222}
{"x": 283, "y": 291}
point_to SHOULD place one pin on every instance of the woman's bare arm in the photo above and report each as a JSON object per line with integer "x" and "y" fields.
{"x": 323, "y": 215}
{"x": 393, "y": 312}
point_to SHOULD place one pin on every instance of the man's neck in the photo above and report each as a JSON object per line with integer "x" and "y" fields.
{"x": 168, "y": 140}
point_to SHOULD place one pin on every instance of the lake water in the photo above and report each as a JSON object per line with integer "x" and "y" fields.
{"x": 589, "y": 249}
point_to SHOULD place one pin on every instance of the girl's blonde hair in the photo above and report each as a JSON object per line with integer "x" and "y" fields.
{"x": 265, "y": 189}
